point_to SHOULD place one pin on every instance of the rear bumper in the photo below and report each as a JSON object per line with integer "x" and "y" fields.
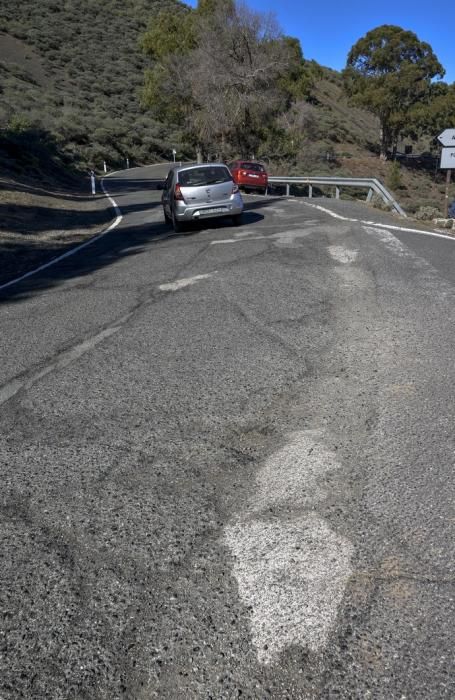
{"x": 253, "y": 183}
{"x": 231, "y": 207}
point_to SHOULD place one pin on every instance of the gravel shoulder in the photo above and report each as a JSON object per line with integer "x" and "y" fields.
{"x": 39, "y": 223}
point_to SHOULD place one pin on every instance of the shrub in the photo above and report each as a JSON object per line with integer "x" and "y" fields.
{"x": 427, "y": 213}
{"x": 18, "y": 124}
{"x": 394, "y": 176}
{"x": 378, "y": 203}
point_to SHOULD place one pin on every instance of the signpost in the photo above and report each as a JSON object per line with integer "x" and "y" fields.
{"x": 174, "y": 153}
{"x": 447, "y": 140}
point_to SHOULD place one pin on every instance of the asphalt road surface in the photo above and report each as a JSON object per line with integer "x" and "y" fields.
{"x": 227, "y": 460}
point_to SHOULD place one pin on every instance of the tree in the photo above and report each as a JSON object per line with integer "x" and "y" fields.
{"x": 388, "y": 72}
{"x": 302, "y": 76}
{"x": 433, "y": 115}
{"x": 226, "y": 81}
{"x": 170, "y": 31}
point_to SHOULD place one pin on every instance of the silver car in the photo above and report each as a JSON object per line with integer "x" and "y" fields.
{"x": 197, "y": 192}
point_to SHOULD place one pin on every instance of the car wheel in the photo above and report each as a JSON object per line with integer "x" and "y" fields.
{"x": 177, "y": 226}
{"x": 237, "y": 219}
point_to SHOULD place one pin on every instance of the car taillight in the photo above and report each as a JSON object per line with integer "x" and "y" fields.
{"x": 178, "y": 193}
{"x": 235, "y": 188}
{"x": 244, "y": 172}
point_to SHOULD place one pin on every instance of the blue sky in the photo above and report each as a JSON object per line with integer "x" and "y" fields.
{"x": 327, "y": 29}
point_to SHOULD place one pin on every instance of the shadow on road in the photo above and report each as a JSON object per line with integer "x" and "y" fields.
{"x": 118, "y": 186}
{"x": 261, "y": 203}
{"x": 125, "y": 241}
{"x": 26, "y": 220}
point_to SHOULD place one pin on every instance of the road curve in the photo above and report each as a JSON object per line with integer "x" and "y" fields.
{"x": 227, "y": 460}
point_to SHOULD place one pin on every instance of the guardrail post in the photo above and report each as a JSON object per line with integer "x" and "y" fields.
{"x": 288, "y": 190}
{"x": 310, "y": 190}
{"x": 369, "y": 195}
{"x": 337, "y": 193}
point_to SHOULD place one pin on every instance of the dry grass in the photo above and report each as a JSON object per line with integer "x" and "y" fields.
{"x": 39, "y": 223}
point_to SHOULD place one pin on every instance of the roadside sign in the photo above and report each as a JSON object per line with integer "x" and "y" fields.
{"x": 447, "y": 138}
{"x": 448, "y": 158}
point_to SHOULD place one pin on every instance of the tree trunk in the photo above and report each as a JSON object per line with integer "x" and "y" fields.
{"x": 386, "y": 140}
{"x": 199, "y": 154}
{"x": 383, "y": 147}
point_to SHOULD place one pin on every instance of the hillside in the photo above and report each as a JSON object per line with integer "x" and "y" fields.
{"x": 75, "y": 70}
{"x": 343, "y": 140}
{"x": 70, "y": 81}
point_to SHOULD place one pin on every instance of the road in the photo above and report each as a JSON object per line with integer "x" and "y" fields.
{"x": 227, "y": 460}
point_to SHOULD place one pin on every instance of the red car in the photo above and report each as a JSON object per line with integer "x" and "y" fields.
{"x": 249, "y": 175}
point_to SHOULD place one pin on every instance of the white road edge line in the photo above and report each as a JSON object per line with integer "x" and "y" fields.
{"x": 79, "y": 247}
{"x": 372, "y": 223}
{"x": 73, "y": 250}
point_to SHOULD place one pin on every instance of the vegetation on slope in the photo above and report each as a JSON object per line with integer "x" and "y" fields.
{"x": 72, "y": 94}
{"x": 74, "y": 71}
{"x": 71, "y": 88}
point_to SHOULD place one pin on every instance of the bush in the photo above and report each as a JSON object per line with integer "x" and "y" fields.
{"x": 394, "y": 176}
{"x": 18, "y": 124}
{"x": 427, "y": 213}
{"x": 379, "y": 203}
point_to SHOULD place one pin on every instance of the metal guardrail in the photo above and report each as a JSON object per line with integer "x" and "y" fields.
{"x": 371, "y": 184}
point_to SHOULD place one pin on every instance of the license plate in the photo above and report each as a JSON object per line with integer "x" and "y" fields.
{"x": 214, "y": 210}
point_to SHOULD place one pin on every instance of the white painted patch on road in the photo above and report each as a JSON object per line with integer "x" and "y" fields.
{"x": 292, "y": 576}
{"x": 292, "y": 476}
{"x": 281, "y": 239}
{"x": 276, "y": 210}
{"x": 291, "y": 571}
{"x": 390, "y": 241}
{"x": 184, "y": 282}
{"x": 237, "y": 240}
{"x": 290, "y": 238}
{"x": 248, "y": 233}
{"x": 342, "y": 254}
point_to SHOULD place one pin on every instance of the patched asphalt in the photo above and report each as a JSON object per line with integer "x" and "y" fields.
{"x": 227, "y": 460}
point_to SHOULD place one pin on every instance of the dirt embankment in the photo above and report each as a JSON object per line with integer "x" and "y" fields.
{"x": 39, "y": 222}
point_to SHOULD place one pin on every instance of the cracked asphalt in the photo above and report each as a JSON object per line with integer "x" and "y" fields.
{"x": 227, "y": 460}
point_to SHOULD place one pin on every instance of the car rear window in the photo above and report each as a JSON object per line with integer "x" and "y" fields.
{"x": 252, "y": 166}
{"x": 197, "y": 177}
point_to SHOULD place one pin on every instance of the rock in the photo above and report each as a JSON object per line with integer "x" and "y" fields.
{"x": 443, "y": 223}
